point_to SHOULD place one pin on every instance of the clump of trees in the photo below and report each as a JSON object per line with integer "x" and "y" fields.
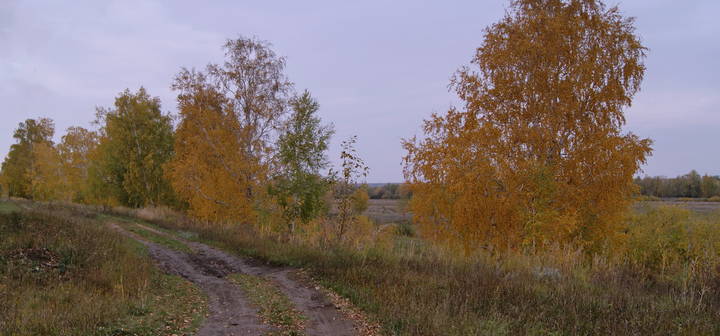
{"x": 21, "y": 158}
{"x": 689, "y": 185}
{"x": 135, "y": 140}
{"x": 228, "y": 116}
{"x": 245, "y": 145}
{"x": 389, "y": 191}
{"x": 536, "y": 155}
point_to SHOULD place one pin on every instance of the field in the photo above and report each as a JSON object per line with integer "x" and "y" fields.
{"x": 663, "y": 282}
{"x": 385, "y": 211}
{"x": 701, "y": 207}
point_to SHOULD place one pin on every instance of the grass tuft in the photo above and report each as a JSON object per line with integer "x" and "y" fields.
{"x": 275, "y": 308}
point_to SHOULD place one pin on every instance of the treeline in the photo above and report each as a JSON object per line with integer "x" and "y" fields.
{"x": 246, "y": 148}
{"x": 389, "y": 191}
{"x": 691, "y": 185}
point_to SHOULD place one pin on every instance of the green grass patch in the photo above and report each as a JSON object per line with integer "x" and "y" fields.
{"x": 8, "y": 207}
{"x": 157, "y": 238}
{"x": 275, "y": 308}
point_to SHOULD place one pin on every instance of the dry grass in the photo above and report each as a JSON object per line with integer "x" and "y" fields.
{"x": 64, "y": 273}
{"x": 651, "y": 285}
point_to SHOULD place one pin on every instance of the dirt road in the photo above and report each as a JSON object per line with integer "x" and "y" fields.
{"x": 230, "y": 313}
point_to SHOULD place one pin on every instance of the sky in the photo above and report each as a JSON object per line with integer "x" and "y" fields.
{"x": 378, "y": 68}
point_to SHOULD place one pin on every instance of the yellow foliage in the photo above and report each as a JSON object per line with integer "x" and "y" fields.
{"x": 210, "y": 170}
{"x": 47, "y": 180}
{"x": 227, "y": 114}
{"x": 537, "y": 155}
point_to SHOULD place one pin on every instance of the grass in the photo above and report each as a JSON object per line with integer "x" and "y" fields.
{"x": 8, "y": 207}
{"x": 275, "y": 308}
{"x": 157, "y": 238}
{"x": 663, "y": 281}
{"x": 137, "y": 226}
{"x": 63, "y": 272}
{"x": 173, "y": 307}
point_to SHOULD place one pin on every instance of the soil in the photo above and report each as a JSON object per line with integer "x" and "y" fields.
{"x": 230, "y": 313}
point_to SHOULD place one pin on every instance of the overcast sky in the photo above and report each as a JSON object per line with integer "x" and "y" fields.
{"x": 378, "y": 68}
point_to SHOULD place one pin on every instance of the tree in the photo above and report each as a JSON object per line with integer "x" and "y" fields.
{"x": 20, "y": 159}
{"x": 228, "y": 115}
{"x": 74, "y": 150}
{"x": 351, "y": 200}
{"x": 60, "y": 172}
{"x": 694, "y": 184}
{"x": 135, "y": 141}
{"x": 710, "y": 186}
{"x": 298, "y": 186}
{"x": 536, "y": 155}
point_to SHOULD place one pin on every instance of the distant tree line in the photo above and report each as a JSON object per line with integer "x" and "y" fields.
{"x": 689, "y": 185}
{"x": 389, "y": 191}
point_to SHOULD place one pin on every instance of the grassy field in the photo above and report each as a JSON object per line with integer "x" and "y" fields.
{"x": 62, "y": 272}
{"x": 702, "y": 207}
{"x": 664, "y": 280}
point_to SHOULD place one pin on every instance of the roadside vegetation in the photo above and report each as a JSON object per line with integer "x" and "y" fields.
{"x": 660, "y": 282}
{"x": 64, "y": 273}
{"x": 522, "y": 197}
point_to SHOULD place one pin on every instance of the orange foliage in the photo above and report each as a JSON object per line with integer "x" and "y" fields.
{"x": 208, "y": 170}
{"x": 536, "y": 155}
{"x": 222, "y": 144}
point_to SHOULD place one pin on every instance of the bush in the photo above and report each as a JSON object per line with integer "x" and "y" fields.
{"x": 670, "y": 238}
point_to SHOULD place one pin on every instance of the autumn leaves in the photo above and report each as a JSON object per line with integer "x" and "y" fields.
{"x": 536, "y": 155}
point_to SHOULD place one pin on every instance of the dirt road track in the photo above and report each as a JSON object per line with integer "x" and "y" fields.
{"x": 230, "y": 312}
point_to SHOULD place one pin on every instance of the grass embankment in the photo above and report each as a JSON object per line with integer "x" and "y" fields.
{"x": 62, "y": 272}
{"x": 663, "y": 280}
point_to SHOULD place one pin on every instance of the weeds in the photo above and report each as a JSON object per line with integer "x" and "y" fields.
{"x": 64, "y": 273}
{"x": 414, "y": 288}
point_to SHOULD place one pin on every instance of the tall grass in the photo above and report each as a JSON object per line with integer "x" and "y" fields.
{"x": 64, "y": 272}
{"x": 664, "y": 279}
{"x": 61, "y": 274}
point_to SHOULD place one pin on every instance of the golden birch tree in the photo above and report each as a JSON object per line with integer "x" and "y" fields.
{"x": 20, "y": 159}
{"x": 74, "y": 151}
{"x": 536, "y": 154}
{"x": 229, "y": 114}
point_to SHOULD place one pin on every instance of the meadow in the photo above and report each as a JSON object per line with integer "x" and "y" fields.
{"x": 663, "y": 281}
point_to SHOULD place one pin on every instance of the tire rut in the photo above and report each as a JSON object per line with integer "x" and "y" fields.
{"x": 323, "y": 317}
{"x": 229, "y": 311}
